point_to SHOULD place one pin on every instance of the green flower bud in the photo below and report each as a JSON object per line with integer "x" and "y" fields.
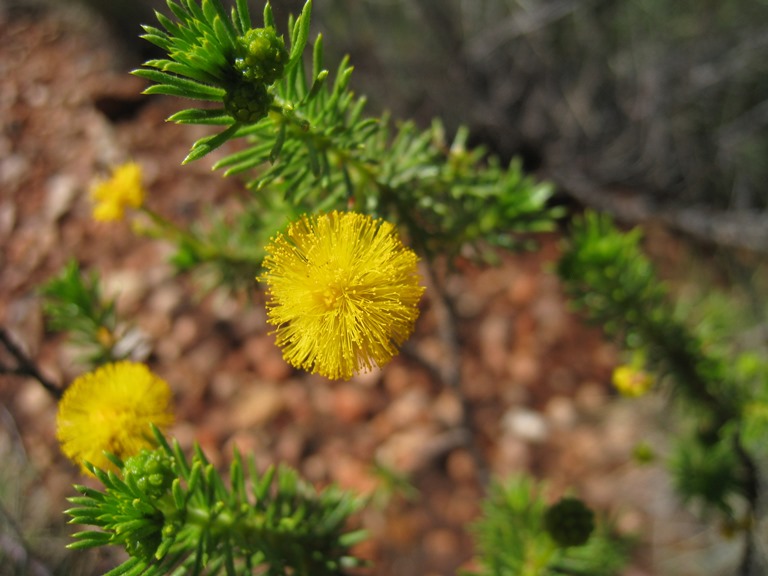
{"x": 569, "y": 522}
{"x": 152, "y": 471}
{"x": 261, "y": 56}
{"x": 247, "y": 103}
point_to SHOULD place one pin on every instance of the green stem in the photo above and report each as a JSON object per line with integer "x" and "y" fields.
{"x": 206, "y": 252}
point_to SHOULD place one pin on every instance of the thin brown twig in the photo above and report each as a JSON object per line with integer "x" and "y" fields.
{"x": 25, "y": 366}
{"x": 449, "y": 370}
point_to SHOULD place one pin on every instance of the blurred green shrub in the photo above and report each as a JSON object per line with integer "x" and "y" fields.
{"x": 716, "y": 378}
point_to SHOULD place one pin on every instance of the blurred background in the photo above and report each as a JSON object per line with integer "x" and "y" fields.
{"x": 646, "y": 108}
{"x": 655, "y": 111}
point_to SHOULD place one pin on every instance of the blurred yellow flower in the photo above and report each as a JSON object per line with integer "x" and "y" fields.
{"x": 122, "y": 190}
{"x": 110, "y": 410}
{"x": 631, "y": 381}
{"x": 343, "y": 292}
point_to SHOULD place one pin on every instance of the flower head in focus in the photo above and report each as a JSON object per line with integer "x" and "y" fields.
{"x": 122, "y": 190}
{"x": 110, "y": 410}
{"x": 343, "y": 292}
{"x": 631, "y": 380}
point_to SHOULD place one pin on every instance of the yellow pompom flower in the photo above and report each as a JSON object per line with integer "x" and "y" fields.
{"x": 110, "y": 410}
{"x": 631, "y": 381}
{"x": 122, "y": 190}
{"x": 343, "y": 292}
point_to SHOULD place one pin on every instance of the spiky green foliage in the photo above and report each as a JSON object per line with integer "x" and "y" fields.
{"x": 723, "y": 391}
{"x": 73, "y": 303}
{"x": 177, "y": 516}
{"x": 514, "y": 536}
{"x": 308, "y": 141}
{"x": 703, "y": 472}
{"x": 220, "y": 59}
{"x": 609, "y": 278}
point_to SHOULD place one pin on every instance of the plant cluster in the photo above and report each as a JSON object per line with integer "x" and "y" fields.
{"x": 350, "y": 185}
{"x": 74, "y": 303}
{"x": 341, "y": 209}
{"x": 313, "y": 149}
{"x": 177, "y": 516}
{"x": 519, "y": 533}
{"x": 719, "y": 387}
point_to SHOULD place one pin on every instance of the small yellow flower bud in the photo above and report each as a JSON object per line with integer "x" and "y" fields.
{"x": 122, "y": 190}
{"x": 631, "y": 381}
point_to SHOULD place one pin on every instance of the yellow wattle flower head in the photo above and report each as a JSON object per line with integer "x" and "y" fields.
{"x": 122, "y": 190}
{"x": 631, "y": 381}
{"x": 110, "y": 410}
{"x": 343, "y": 292}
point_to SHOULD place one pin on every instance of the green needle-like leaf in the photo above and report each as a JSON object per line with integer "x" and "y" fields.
{"x": 172, "y": 85}
{"x": 201, "y": 116}
{"x": 207, "y": 145}
{"x": 299, "y": 36}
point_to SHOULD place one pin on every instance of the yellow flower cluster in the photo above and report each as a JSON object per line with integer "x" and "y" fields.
{"x": 343, "y": 292}
{"x": 110, "y": 410}
{"x": 122, "y": 190}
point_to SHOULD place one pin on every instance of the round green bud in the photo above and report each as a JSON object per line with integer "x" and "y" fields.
{"x": 569, "y": 522}
{"x": 247, "y": 103}
{"x": 151, "y": 470}
{"x": 261, "y": 55}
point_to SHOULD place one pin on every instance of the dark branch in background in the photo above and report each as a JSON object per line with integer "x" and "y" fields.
{"x": 448, "y": 371}
{"x": 25, "y": 366}
{"x": 741, "y": 230}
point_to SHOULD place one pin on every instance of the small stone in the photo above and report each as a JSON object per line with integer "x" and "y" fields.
{"x": 33, "y": 400}
{"x": 126, "y": 287}
{"x": 8, "y": 212}
{"x": 523, "y": 368}
{"x": 522, "y": 291}
{"x": 350, "y": 403}
{"x": 25, "y": 323}
{"x": 355, "y": 475}
{"x": 396, "y": 379}
{"x": 225, "y": 385}
{"x": 411, "y": 407}
{"x": 494, "y": 336}
{"x": 185, "y": 331}
{"x": 441, "y": 544}
{"x": 12, "y": 170}
{"x": 461, "y": 466}
{"x": 368, "y": 379}
{"x": 591, "y": 397}
{"x": 526, "y": 424}
{"x": 61, "y": 192}
{"x": 266, "y": 358}
{"x": 561, "y": 412}
{"x": 256, "y": 406}
{"x": 290, "y": 445}
{"x": 166, "y": 298}
{"x": 447, "y": 409}
{"x": 405, "y": 451}
{"x": 550, "y": 313}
